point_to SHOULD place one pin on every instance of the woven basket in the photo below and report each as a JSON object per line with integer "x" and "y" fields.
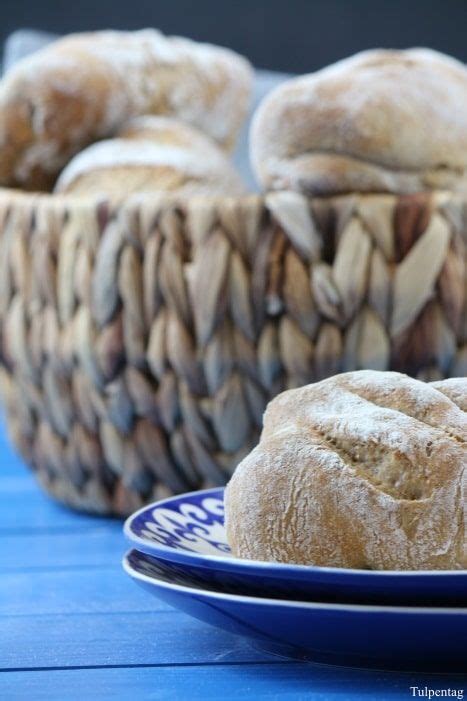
{"x": 140, "y": 345}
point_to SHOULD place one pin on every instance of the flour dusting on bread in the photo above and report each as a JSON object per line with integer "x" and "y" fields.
{"x": 380, "y": 121}
{"x": 151, "y": 154}
{"x": 84, "y": 87}
{"x": 363, "y": 470}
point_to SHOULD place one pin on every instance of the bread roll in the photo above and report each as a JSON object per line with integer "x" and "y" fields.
{"x": 366, "y": 470}
{"x": 85, "y": 86}
{"x": 455, "y": 388}
{"x": 380, "y": 121}
{"x": 151, "y": 154}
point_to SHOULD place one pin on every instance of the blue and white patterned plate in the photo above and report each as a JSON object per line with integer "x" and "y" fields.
{"x": 394, "y": 637}
{"x": 189, "y": 530}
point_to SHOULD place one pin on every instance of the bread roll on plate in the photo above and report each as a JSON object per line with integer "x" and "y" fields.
{"x": 84, "y": 87}
{"x": 380, "y": 121}
{"x": 151, "y": 154}
{"x": 366, "y": 470}
{"x": 455, "y": 388}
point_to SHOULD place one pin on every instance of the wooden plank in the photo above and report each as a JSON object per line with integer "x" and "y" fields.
{"x": 272, "y": 682}
{"x": 10, "y": 462}
{"x": 157, "y": 637}
{"x": 92, "y": 590}
{"x": 35, "y": 511}
{"x": 103, "y": 545}
{"x": 26, "y": 509}
{"x": 14, "y": 484}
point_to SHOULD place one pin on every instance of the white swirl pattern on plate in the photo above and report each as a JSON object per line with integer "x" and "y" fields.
{"x": 194, "y": 527}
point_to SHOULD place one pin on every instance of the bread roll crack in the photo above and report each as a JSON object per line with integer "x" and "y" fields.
{"x": 364, "y": 469}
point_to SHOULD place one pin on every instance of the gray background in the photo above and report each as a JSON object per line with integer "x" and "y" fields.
{"x": 284, "y": 35}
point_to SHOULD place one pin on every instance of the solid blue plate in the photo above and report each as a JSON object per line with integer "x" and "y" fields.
{"x": 382, "y": 637}
{"x": 189, "y": 530}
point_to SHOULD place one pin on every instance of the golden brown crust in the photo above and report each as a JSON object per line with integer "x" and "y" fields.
{"x": 455, "y": 388}
{"x": 380, "y": 121}
{"x": 85, "y": 86}
{"x": 365, "y": 470}
{"x": 151, "y": 154}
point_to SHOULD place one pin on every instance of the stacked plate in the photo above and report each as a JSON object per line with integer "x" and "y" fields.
{"x": 399, "y": 620}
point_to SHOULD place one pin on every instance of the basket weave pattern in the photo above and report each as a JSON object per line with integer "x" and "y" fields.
{"x": 140, "y": 346}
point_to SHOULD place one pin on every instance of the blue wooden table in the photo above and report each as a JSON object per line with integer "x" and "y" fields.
{"x": 73, "y": 626}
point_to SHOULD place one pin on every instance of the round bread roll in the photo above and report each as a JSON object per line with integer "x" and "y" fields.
{"x": 151, "y": 154}
{"x": 366, "y": 470}
{"x": 455, "y": 388}
{"x": 380, "y": 121}
{"x": 84, "y": 87}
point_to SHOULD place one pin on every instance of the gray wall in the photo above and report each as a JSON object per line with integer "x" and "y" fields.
{"x": 285, "y": 35}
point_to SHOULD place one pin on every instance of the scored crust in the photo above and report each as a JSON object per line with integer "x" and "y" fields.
{"x": 380, "y": 121}
{"x": 85, "y": 86}
{"x": 365, "y": 469}
{"x": 151, "y": 154}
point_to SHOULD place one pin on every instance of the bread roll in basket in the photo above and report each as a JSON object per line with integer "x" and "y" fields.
{"x": 141, "y": 340}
